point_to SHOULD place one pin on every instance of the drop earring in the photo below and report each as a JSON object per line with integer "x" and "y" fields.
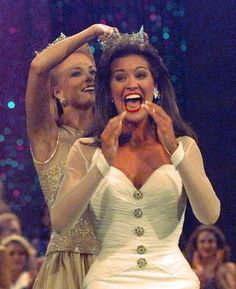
{"x": 63, "y": 101}
{"x": 156, "y": 96}
{"x": 156, "y": 93}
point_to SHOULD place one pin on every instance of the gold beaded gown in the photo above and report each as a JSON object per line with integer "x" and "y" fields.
{"x": 70, "y": 254}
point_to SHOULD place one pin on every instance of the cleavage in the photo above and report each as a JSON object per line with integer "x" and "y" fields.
{"x": 140, "y": 163}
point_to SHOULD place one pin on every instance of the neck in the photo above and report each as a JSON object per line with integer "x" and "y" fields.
{"x": 138, "y": 133}
{"x": 78, "y": 119}
{"x": 208, "y": 261}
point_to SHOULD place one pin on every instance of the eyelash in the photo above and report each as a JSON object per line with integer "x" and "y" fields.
{"x": 121, "y": 78}
{"x": 78, "y": 73}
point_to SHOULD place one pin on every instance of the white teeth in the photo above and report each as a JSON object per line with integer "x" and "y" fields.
{"x": 89, "y": 88}
{"x": 132, "y": 96}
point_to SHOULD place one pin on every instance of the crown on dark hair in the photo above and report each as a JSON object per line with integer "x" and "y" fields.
{"x": 116, "y": 37}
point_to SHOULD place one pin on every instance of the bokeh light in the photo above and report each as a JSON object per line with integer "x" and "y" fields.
{"x": 11, "y": 104}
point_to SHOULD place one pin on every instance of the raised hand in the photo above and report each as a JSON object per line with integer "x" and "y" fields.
{"x": 103, "y": 31}
{"x": 110, "y": 137}
{"x": 165, "y": 129}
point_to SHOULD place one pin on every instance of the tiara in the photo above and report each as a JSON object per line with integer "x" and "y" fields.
{"x": 116, "y": 37}
{"x": 58, "y": 39}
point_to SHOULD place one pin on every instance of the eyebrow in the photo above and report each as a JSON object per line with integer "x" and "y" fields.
{"x": 121, "y": 70}
{"x": 76, "y": 67}
{"x": 79, "y": 67}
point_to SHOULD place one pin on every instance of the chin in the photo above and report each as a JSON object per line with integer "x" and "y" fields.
{"x": 136, "y": 117}
{"x": 85, "y": 104}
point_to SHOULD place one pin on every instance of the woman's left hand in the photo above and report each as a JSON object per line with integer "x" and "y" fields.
{"x": 165, "y": 129}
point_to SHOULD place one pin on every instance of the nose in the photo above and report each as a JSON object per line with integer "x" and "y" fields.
{"x": 131, "y": 84}
{"x": 89, "y": 77}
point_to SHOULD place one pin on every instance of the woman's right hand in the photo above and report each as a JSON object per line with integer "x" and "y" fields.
{"x": 102, "y": 31}
{"x": 110, "y": 137}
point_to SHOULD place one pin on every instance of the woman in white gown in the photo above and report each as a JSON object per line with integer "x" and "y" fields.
{"x": 136, "y": 175}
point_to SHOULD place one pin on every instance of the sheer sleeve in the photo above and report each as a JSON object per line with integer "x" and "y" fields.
{"x": 84, "y": 170}
{"x": 202, "y": 197}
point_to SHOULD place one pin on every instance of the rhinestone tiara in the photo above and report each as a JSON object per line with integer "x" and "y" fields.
{"x": 58, "y": 39}
{"x": 116, "y": 37}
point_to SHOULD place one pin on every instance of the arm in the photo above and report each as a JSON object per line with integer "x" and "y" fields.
{"x": 41, "y": 124}
{"x": 77, "y": 187}
{"x": 188, "y": 162}
{"x": 203, "y": 200}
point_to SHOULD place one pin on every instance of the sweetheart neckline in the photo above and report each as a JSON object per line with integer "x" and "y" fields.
{"x": 148, "y": 178}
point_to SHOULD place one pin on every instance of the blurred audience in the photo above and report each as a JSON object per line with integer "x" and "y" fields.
{"x": 209, "y": 255}
{"x": 40, "y": 241}
{"x": 4, "y": 207}
{"x": 22, "y": 258}
{"x": 9, "y": 224}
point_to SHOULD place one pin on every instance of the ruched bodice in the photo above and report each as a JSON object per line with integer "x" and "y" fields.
{"x": 139, "y": 231}
{"x": 138, "y": 228}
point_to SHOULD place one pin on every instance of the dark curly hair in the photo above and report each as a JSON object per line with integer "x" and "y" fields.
{"x": 191, "y": 245}
{"x": 160, "y": 74}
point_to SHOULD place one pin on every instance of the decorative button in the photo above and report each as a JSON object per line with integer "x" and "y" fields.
{"x": 94, "y": 250}
{"x": 142, "y": 262}
{"x": 141, "y": 249}
{"x": 138, "y": 213}
{"x": 139, "y": 231}
{"x": 138, "y": 195}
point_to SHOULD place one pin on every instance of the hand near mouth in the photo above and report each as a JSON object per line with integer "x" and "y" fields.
{"x": 110, "y": 137}
{"x": 165, "y": 129}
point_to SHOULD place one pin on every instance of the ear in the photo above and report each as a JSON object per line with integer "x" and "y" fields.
{"x": 57, "y": 92}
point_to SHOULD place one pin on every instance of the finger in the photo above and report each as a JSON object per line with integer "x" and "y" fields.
{"x": 114, "y": 124}
{"x": 153, "y": 112}
{"x": 109, "y": 31}
{"x": 156, "y": 108}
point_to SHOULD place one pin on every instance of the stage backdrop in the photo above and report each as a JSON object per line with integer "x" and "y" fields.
{"x": 196, "y": 40}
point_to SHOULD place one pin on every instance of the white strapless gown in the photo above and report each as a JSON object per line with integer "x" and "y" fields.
{"x": 139, "y": 232}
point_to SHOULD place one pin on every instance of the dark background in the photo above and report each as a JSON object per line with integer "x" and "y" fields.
{"x": 197, "y": 41}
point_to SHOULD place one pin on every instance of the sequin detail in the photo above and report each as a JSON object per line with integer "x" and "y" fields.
{"x": 54, "y": 177}
{"x": 80, "y": 238}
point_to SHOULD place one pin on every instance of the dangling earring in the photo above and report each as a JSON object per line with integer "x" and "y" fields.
{"x": 63, "y": 101}
{"x": 156, "y": 94}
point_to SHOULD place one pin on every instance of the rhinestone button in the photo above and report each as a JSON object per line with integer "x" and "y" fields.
{"x": 138, "y": 213}
{"x": 139, "y": 231}
{"x": 141, "y": 262}
{"x": 141, "y": 249}
{"x": 138, "y": 195}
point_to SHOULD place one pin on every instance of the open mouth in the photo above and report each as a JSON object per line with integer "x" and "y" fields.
{"x": 133, "y": 102}
{"x": 89, "y": 88}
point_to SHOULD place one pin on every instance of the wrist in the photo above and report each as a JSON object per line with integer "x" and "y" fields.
{"x": 177, "y": 155}
{"x": 173, "y": 147}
